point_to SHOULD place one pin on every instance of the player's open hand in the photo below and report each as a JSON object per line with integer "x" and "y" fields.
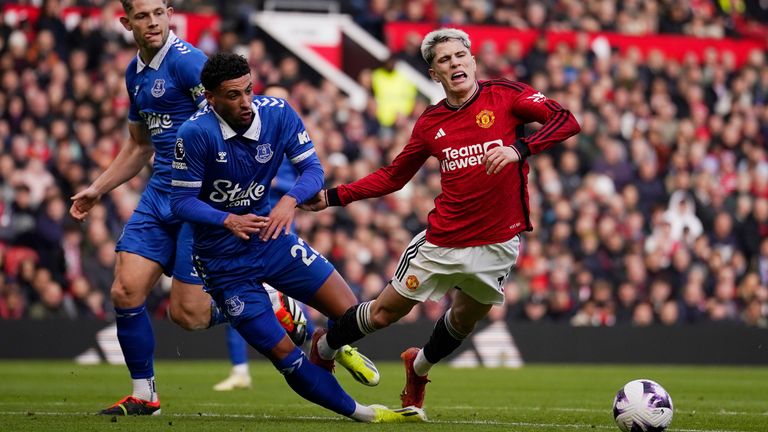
{"x": 316, "y": 203}
{"x": 242, "y": 226}
{"x": 83, "y": 202}
{"x": 498, "y": 157}
{"x": 280, "y": 218}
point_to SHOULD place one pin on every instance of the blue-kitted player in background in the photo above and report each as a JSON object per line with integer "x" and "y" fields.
{"x": 226, "y": 156}
{"x": 164, "y": 89}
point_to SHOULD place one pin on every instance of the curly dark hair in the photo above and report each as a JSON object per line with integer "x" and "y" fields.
{"x": 222, "y": 67}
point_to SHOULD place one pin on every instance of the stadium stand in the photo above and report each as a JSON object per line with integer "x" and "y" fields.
{"x": 657, "y": 213}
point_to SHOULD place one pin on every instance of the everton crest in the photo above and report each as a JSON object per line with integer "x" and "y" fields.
{"x": 234, "y": 305}
{"x": 264, "y": 153}
{"x": 158, "y": 89}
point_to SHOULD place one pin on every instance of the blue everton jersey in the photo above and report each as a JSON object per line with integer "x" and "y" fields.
{"x": 163, "y": 95}
{"x": 233, "y": 172}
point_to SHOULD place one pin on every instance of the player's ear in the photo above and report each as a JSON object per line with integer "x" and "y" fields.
{"x": 126, "y": 23}
{"x": 169, "y": 11}
{"x": 433, "y": 75}
{"x": 208, "y": 97}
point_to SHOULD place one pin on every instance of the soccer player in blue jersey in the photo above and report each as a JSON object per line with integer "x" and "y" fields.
{"x": 226, "y": 156}
{"x": 293, "y": 320}
{"x": 163, "y": 84}
{"x": 239, "y": 377}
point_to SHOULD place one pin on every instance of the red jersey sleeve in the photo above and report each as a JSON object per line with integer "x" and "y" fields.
{"x": 390, "y": 178}
{"x": 558, "y": 124}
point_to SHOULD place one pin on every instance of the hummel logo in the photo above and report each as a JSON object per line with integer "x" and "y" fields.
{"x": 538, "y": 97}
{"x": 270, "y": 101}
{"x": 440, "y": 133}
{"x": 295, "y": 365}
{"x": 222, "y": 157}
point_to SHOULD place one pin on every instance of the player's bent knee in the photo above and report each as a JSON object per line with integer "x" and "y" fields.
{"x": 127, "y": 296}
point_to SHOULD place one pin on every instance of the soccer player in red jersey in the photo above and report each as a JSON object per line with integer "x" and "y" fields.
{"x": 472, "y": 240}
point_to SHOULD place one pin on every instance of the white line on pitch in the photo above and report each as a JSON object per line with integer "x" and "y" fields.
{"x": 323, "y": 418}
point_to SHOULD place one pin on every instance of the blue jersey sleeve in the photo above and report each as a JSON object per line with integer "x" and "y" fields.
{"x": 188, "y": 68}
{"x": 285, "y": 179}
{"x": 301, "y": 153}
{"x": 187, "y": 178}
{"x": 130, "y": 78}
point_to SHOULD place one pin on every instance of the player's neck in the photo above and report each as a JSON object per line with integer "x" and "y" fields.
{"x": 459, "y": 100}
{"x": 148, "y": 53}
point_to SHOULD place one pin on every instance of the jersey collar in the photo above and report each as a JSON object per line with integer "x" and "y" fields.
{"x": 252, "y": 133}
{"x": 158, "y": 58}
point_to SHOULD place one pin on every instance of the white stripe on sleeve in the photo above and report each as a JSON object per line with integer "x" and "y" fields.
{"x": 188, "y": 184}
{"x": 303, "y": 156}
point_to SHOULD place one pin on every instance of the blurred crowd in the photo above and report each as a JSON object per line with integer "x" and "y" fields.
{"x": 701, "y": 18}
{"x": 656, "y": 213}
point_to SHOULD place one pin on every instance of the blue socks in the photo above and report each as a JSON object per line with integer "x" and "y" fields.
{"x": 137, "y": 340}
{"x": 315, "y": 384}
{"x": 238, "y": 350}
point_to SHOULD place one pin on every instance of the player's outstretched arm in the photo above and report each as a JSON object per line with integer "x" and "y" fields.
{"x": 317, "y": 202}
{"x": 131, "y": 159}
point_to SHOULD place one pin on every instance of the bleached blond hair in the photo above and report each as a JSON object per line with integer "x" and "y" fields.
{"x": 439, "y": 36}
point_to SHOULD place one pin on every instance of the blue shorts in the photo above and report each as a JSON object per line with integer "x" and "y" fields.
{"x": 153, "y": 232}
{"x": 287, "y": 263}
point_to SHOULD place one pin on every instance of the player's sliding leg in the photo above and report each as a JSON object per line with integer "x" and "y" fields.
{"x": 333, "y": 299}
{"x": 239, "y": 377}
{"x": 292, "y": 318}
{"x": 134, "y": 278}
{"x": 360, "y": 320}
{"x": 309, "y": 381}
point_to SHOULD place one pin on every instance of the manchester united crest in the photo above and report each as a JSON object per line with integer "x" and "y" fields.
{"x": 485, "y": 119}
{"x": 411, "y": 282}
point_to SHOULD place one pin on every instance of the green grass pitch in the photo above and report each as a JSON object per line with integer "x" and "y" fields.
{"x": 62, "y": 396}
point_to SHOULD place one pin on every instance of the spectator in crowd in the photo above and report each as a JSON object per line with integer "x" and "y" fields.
{"x": 395, "y": 95}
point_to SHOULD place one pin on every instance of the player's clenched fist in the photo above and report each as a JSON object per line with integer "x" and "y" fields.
{"x": 243, "y": 225}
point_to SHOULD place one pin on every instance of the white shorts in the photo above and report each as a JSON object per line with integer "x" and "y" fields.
{"x": 426, "y": 271}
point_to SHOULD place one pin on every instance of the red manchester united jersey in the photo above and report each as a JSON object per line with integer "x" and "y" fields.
{"x": 474, "y": 208}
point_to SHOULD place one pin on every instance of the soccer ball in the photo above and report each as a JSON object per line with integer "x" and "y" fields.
{"x": 642, "y": 406}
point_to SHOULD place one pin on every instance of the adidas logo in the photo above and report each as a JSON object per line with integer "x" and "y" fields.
{"x": 440, "y": 133}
